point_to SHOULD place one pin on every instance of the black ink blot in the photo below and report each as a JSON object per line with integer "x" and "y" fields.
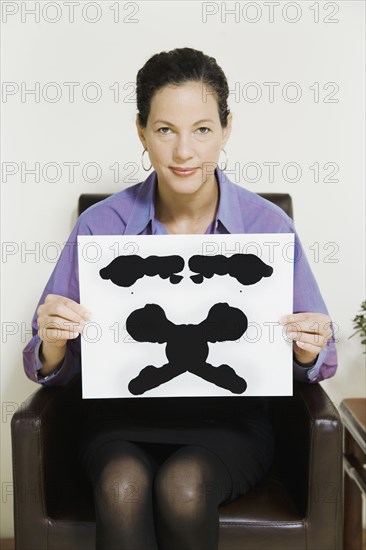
{"x": 126, "y": 270}
{"x": 247, "y": 269}
{"x": 187, "y": 346}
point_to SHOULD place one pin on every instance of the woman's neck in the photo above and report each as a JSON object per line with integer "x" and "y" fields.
{"x": 187, "y": 213}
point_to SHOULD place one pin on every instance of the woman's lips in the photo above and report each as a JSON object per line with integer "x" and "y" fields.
{"x": 183, "y": 172}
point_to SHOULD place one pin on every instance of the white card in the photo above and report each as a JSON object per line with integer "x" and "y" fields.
{"x": 203, "y": 307}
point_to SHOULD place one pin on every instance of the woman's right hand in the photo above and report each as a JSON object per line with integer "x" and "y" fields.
{"x": 59, "y": 319}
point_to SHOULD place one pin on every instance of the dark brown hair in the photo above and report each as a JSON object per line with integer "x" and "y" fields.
{"x": 176, "y": 67}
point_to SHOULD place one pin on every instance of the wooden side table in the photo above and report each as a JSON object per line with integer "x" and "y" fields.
{"x": 353, "y": 415}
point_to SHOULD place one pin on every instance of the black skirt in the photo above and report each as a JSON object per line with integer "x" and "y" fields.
{"x": 238, "y": 430}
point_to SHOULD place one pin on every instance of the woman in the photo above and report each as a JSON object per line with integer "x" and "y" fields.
{"x": 193, "y": 454}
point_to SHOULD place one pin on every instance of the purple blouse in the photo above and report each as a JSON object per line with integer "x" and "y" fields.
{"x": 132, "y": 212}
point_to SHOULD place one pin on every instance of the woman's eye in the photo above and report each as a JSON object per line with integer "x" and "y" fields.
{"x": 203, "y": 130}
{"x": 164, "y": 130}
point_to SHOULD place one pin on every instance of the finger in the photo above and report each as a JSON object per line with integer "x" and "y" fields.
{"x": 62, "y": 324}
{"x": 61, "y": 310}
{"x": 305, "y": 328}
{"x": 54, "y": 335}
{"x": 307, "y": 317}
{"x": 304, "y": 337}
{"x": 68, "y": 303}
{"x": 312, "y": 348}
{"x": 292, "y": 318}
{"x": 313, "y": 323}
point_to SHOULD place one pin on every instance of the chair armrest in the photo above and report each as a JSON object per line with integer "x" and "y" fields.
{"x": 317, "y": 403}
{"x": 325, "y": 485}
{"x": 39, "y": 451}
{"x": 308, "y": 457}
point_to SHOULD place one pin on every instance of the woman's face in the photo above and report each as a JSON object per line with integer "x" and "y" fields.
{"x": 184, "y": 136}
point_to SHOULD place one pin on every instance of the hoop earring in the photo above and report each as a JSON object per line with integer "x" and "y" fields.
{"x": 142, "y": 161}
{"x": 225, "y": 163}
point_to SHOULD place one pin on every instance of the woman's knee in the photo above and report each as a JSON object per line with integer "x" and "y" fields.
{"x": 191, "y": 480}
{"x": 121, "y": 473}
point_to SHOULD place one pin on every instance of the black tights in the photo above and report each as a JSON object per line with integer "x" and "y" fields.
{"x": 164, "y": 501}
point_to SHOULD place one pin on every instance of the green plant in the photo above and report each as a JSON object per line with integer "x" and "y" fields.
{"x": 359, "y": 323}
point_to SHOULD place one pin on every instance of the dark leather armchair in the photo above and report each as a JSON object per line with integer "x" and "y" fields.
{"x": 296, "y": 506}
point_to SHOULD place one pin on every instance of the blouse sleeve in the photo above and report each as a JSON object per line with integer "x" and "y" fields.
{"x": 64, "y": 281}
{"x": 307, "y": 298}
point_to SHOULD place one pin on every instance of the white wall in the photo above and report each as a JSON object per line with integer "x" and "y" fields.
{"x": 329, "y": 215}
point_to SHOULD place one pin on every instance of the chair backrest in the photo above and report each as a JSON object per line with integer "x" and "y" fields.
{"x": 283, "y": 200}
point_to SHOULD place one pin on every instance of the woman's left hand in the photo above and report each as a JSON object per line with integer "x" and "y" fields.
{"x": 310, "y": 333}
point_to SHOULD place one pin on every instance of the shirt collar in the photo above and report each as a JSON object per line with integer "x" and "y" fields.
{"x": 143, "y": 210}
{"x": 229, "y": 213}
